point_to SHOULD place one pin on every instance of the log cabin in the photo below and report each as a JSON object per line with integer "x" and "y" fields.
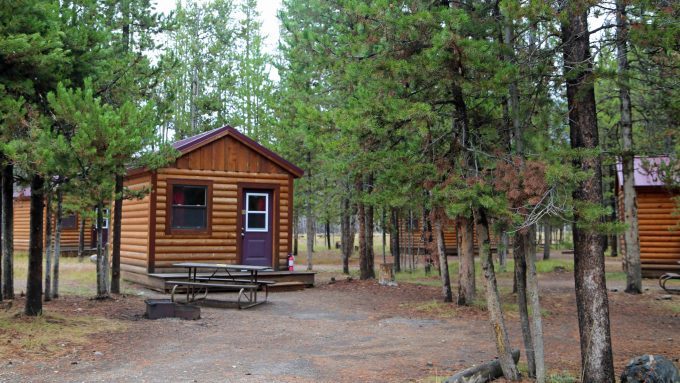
{"x": 70, "y": 230}
{"x": 658, "y": 222}
{"x": 225, "y": 199}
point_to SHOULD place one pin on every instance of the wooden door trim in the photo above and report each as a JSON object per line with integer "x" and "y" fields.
{"x": 274, "y": 189}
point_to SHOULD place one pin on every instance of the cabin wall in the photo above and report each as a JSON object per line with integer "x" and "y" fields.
{"x": 22, "y": 219}
{"x": 134, "y": 240}
{"x": 659, "y": 231}
{"x": 414, "y": 236}
{"x": 226, "y": 163}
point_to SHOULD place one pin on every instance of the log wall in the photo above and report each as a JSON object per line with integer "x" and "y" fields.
{"x": 134, "y": 239}
{"x": 659, "y": 231}
{"x": 69, "y": 237}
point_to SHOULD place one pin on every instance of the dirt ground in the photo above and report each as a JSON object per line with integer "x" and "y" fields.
{"x": 348, "y": 331}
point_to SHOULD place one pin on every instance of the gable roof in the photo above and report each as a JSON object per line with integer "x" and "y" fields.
{"x": 192, "y": 143}
{"x": 646, "y": 171}
{"x": 189, "y": 144}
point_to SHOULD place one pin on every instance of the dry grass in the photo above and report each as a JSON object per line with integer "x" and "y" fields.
{"x": 49, "y": 334}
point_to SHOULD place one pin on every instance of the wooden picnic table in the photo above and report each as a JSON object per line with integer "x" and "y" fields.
{"x": 247, "y": 287}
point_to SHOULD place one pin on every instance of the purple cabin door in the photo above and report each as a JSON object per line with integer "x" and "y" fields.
{"x": 256, "y": 227}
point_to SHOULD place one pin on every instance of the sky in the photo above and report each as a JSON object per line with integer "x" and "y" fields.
{"x": 266, "y": 8}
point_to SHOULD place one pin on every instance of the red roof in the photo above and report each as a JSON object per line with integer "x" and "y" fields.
{"x": 646, "y": 171}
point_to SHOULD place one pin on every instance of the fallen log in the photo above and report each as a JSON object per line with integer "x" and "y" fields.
{"x": 483, "y": 373}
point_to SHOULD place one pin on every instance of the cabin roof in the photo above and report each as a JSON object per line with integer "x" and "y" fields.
{"x": 646, "y": 171}
{"x": 189, "y": 144}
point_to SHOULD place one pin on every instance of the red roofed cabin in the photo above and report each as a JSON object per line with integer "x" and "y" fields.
{"x": 657, "y": 225}
{"x": 226, "y": 199}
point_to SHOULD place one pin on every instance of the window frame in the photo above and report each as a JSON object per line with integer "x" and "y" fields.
{"x": 169, "y": 191}
{"x": 266, "y": 213}
{"x": 70, "y": 227}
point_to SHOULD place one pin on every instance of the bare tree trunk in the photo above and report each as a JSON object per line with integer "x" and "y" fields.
{"x": 493, "y": 301}
{"x": 296, "y": 233}
{"x": 7, "y": 231}
{"x": 48, "y": 250}
{"x": 346, "y": 243}
{"x": 384, "y": 234}
{"x": 102, "y": 262}
{"x": 394, "y": 240}
{"x": 547, "y": 241}
{"x": 361, "y": 216}
{"x": 310, "y": 234}
{"x": 328, "y": 234}
{"x": 503, "y": 251}
{"x": 368, "y": 271}
{"x": 81, "y": 239}
{"x": 35, "y": 249}
{"x": 447, "y": 295}
{"x": 630, "y": 235}
{"x": 536, "y": 320}
{"x": 57, "y": 245}
{"x": 466, "y": 259}
{"x": 521, "y": 252}
{"x": 117, "y": 226}
{"x": 589, "y": 273}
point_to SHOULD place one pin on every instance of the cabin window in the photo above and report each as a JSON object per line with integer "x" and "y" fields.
{"x": 188, "y": 207}
{"x": 69, "y": 222}
{"x": 257, "y": 212}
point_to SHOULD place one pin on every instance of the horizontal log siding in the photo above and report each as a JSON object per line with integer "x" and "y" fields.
{"x": 221, "y": 244}
{"x": 134, "y": 239}
{"x": 22, "y": 216}
{"x": 659, "y": 232}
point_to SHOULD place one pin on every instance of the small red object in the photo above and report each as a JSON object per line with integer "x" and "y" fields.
{"x": 291, "y": 262}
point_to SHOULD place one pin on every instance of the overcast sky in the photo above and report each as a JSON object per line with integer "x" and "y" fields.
{"x": 266, "y": 8}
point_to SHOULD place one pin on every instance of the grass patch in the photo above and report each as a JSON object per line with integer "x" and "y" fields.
{"x": 563, "y": 377}
{"x": 433, "y": 308}
{"x": 615, "y": 276}
{"x": 673, "y": 306}
{"x": 49, "y": 333}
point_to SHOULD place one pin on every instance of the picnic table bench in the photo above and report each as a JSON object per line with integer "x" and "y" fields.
{"x": 196, "y": 285}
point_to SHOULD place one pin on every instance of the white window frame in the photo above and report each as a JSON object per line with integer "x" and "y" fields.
{"x": 266, "y": 212}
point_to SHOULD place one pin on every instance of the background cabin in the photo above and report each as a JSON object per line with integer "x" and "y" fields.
{"x": 658, "y": 226}
{"x": 225, "y": 199}
{"x": 70, "y": 230}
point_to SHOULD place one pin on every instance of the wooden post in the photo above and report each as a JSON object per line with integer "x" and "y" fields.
{"x": 387, "y": 274}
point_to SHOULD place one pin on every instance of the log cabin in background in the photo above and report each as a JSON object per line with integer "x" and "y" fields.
{"x": 70, "y": 226}
{"x": 225, "y": 199}
{"x": 658, "y": 223}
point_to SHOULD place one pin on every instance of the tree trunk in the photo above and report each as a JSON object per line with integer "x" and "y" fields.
{"x": 368, "y": 271}
{"x": 117, "y": 224}
{"x": 493, "y": 299}
{"x": 485, "y": 372}
{"x": 547, "y": 241}
{"x": 503, "y": 251}
{"x": 536, "y": 320}
{"x": 296, "y": 233}
{"x": 102, "y": 262}
{"x": 631, "y": 234}
{"x": 447, "y": 295}
{"x": 394, "y": 240}
{"x": 521, "y": 252}
{"x": 466, "y": 259}
{"x": 589, "y": 273}
{"x": 310, "y": 234}
{"x": 57, "y": 245}
{"x": 35, "y": 249}
{"x": 81, "y": 239}
{"x": 48, "y": 250}
{"x": 361, "y": 216}
{"x": 328, "y": 234}
{"x": 346, "y": 243}
{"x": 384, "y": 235}
{"x": 8, "y": 231}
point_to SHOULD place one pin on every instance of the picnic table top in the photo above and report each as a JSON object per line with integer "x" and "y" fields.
{"x": 204, "y": 265}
